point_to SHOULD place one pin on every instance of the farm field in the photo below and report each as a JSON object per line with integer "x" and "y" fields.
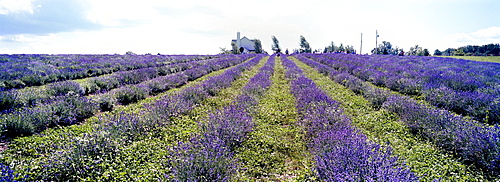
{"x": 249, "y": 117}
{"x": 494, "y": 59}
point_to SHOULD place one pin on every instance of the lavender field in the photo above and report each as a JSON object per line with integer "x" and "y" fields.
{"x": 248, "y": 117}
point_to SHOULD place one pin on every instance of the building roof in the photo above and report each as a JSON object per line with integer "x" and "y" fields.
{"x": 234, "y": 40}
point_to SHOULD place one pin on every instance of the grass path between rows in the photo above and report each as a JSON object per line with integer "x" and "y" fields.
{"x": 275, "y": 150}
{"x": 383, "y": 127}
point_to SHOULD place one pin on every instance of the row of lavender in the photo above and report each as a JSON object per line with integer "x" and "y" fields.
{"x": 30, "y": 97}
{"x": 341, "y": 152}
{"x": 466, "y": 87}
{"x": 89, "y": 156}
{"x": 20, "y": 71}
{"x": 472, "y": 141}
{"x": 72, "y": 109}
{"x": 210, "y": 157}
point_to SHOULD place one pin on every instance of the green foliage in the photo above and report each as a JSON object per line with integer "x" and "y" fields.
{"x": 235, "y": 48}
{"x": 258, "y": 46}
{"x": 16, "y": 125}
{"x": 304, "y": 45}
{"x": 7, "y": 100}
{"x": 276, "y": 44}
{"x": 131, "y": 94}
{"x": 386, "y": 48}
{"x": 459, "y": 52}
{"x": 437, "y": 52}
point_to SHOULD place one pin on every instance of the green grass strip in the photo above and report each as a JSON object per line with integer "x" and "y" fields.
{"x": 275, "y": 150}
{"x": 493, "y": 59}
{"x": 383, "y": 127}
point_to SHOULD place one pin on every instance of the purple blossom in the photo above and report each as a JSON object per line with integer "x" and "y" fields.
{"x": 341, "y": 153}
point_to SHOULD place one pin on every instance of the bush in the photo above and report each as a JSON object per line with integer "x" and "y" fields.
{"x": 17, "y": 124}
{"x": 131, "y": 94}
{"x": 70, "y": 110}
{"x": 203, "y": 159}
{"x": 8, "y": 100}
{"x": 107, "y": 102}
{"x": 65, "y": 88}
{"x": 376, "y": 96}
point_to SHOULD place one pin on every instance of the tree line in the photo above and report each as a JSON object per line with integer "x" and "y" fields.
{"x": 471, "y": 50}
{"x": 387, "y": 48}
{"x": 304, "y": 47}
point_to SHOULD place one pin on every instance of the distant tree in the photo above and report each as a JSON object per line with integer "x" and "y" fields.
{"x": 415, "y": 51}
{"x": 349, "y": 49}
{"x": 304, "y": 45}
{"x": 276, "y": 44}
{"x": 426, "y": 52}
{"x": 492, "y": 49}
{"x": 459, "y": 52}
{"x": 475, "y": 50}
{"x": 330, "y": 48}
{"x": 448, "y": 52}
{"x": 223, "y": 50}
{"x": 341, "y": 48}
{"x": 437, "y": 52}
{"x": 257, "y": 46}
{"x": 386, "y": 48}
{"x": 235, "y": 49}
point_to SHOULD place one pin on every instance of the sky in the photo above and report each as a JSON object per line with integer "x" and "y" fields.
{"x": 204, "y": 27}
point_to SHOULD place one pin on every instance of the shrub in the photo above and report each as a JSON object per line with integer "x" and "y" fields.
{"x": 8, "y": 100}
{"x": 345, "y": 155}
{"x": 203, "y": 159}
{"x": 473, "y": 142}
{"x": 64, "y": 88}
{"x": 89, "y": 87}
{"x": 81, "y": 159}
{"x": 376, "y": 96}
{"x": 107, "y": 102}
{"x": 231, "y": 125}
{"x": 131, "y": 94}
{"x": 17, "y": 124}
{"x": 70, "y": 110}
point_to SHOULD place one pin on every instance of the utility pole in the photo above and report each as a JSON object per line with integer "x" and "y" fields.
{"x": 376, "y": 41}
{"x": 361, "y": 47}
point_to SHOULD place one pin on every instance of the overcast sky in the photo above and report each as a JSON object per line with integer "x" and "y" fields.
{"x": 203, "y": 26}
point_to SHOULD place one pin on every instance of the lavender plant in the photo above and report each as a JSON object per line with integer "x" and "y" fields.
{"x": 203, "y": 159}
{"x": 64, "y": 88}
{"x": 8, "y": 175}
{"x": 472, "y": 141}
{"x": 341, "y": 152}
{"x": 413, "y": 76}
{"x": 209, "y": 157}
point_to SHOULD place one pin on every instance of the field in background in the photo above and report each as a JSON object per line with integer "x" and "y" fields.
{"x": 494, "y": 59}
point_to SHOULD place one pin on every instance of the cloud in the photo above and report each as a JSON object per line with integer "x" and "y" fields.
{"x": 488, "y": 33}
{"x": 479, "y": 37}
{"x": 44, "y": 17}
{"x": 16, "y": 6}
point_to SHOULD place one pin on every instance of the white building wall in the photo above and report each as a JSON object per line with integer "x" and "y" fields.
{"x": 247, "y": 44}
